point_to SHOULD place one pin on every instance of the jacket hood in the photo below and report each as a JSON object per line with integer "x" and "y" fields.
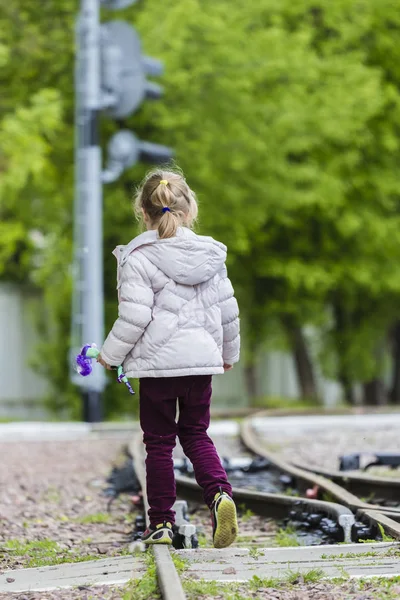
{"x": 187, "y": 258}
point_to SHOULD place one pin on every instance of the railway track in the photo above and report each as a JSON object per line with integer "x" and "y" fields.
{"x": 334, "y": 485}
{"x": 340, "y": 505}
{"x": 167, "y": 575}
{"x": 359, "y": 484}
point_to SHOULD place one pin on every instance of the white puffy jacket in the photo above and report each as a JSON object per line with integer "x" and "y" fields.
{"x": 177, "y": 311}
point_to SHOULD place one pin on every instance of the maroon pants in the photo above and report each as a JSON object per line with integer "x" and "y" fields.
{"x": 158, "y": 408}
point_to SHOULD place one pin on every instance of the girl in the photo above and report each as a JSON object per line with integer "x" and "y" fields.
{"x": 178, "y": 326}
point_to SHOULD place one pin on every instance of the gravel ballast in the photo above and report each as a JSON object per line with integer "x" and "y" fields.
{"x": 80, "y": 593}
{"x": 50, "y": 491}
{"x": 50, "y": 496}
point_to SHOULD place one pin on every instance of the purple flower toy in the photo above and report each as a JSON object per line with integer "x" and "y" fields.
{"x": 84, "y": 365}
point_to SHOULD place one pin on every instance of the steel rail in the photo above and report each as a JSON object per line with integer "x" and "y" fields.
{"x": 276, "y": 505}
{"x": 358, "y": 484}
{"x": 167, "y": 575}
{"x": 306, "y": 479}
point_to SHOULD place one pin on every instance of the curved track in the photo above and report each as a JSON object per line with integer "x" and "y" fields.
{"x": 359, "y": 484}
{"x": 327, "y": 483}
{"x": 344, "y": 510}
{"x": 277, "y": 505}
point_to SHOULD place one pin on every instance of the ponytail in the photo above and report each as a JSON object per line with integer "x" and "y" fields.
{"x": 168, "y": 225}
{"x": 167, "y": 201}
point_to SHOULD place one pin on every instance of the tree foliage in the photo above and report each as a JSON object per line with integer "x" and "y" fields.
{"x": 289, "y": 119}
{"x": 285, "y": 118}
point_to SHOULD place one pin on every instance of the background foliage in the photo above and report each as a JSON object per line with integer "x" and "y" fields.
{"x": 285, "y": 118}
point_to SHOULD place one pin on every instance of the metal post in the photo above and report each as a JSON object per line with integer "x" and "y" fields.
{"x": 88, "y": 293}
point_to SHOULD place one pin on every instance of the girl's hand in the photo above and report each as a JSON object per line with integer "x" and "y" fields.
{"x": 228, "y": 367}
{"x": 103, "y": 363}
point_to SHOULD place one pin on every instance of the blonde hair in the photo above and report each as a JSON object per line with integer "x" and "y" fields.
{"x": 167, "y": 200}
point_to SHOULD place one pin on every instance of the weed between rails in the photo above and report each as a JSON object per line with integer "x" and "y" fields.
{"x": 239, "y": 591}
{"x": 146, "y": 587}
{"x": 286, "y": 538}
{"x": 44, "y": 553}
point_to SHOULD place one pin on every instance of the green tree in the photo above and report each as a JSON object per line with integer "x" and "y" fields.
{"x": 36, "y": 187}
{"x": 288, "y": 114}
{"x": 285, "y": 118}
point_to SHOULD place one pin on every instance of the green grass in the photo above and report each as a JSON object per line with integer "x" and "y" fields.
{"x": 277, "y": 403}
{"x": 129, "y": 518}
{"x": 348, "y": 555}
{"x": 95, "y": 518}
{"x": 181, "y": 564}
{"x": 371, "y": 553}
{"x": 241, "y": 591}
{"x": 385, "y": 538}
{"x": 195, "y": 589}
{"x": 311, "y": 576}
{"x": 255, "y": 553}
{"x": 202, "y": 540}
{"x": 245, "y": 513}
{"x": 44, "y": 553}
{"x": 385, "y": 591}
{"x": 146, "y": 587}
{"x": 244, "y": 539}
{"x": 368, "y": 499}
{"x": 290, "y": 578}
{"x": 291, "y": 492}
{"x": 344, "y": 575}
{"x": 256, "y": 582}
{"x": 286, "y": 538}
{"x": 327, "y": 497}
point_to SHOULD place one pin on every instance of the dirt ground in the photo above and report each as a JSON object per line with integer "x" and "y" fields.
{"x": 50, "y": 495}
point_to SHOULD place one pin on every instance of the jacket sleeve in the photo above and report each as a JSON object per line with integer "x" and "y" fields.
{"x": 136, "y": 299}
{"x": 230, "y": 320}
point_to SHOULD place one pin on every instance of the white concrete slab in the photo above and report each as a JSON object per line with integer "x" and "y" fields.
{"x": 240, "y": 564}
{"x": 110, "y": 571}
{"x": 43, "y": 431}
{"x": 225, "y": 427}
{"x": 304, "y": 424}
{"x": 39, "y": 431}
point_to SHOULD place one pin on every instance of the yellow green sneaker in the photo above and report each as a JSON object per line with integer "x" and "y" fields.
{"x": 224, "y": 520}
{"x": 159, "y": 534}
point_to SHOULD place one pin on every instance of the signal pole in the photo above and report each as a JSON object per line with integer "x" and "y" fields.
{"x": 88, "y": 300}
{"x": 110, "y": 75}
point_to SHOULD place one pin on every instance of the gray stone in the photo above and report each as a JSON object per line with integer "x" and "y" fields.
{"x": 277, "y": 563}
{"x": 111, "y": 571}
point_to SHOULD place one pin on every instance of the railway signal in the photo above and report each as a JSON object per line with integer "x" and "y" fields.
{"x": 110, "y": 76}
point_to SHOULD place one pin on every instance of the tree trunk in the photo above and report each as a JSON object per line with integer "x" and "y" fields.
{"x": 302, "y": 360}
{"x": 374, "y": 392}
{"x": 304, "y": 367}
{"x": 251, "y": 380}
{"x": 394, "y": 394}
{"x": 343, "y": 377}
{"x": 348, "y": 388}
